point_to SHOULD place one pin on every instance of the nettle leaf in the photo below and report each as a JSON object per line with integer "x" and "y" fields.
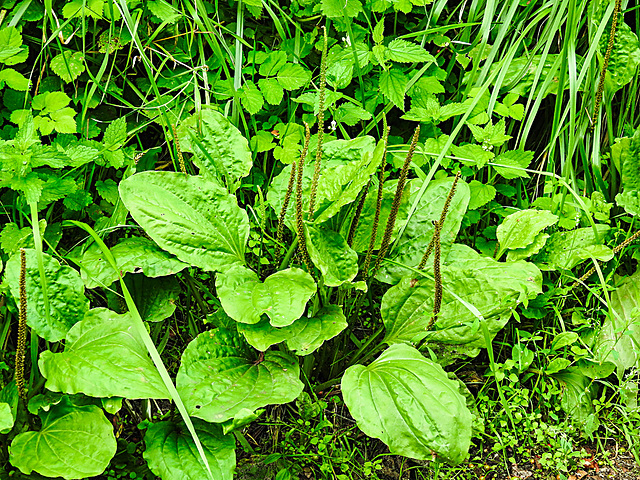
{"x": 67, "y": 303}
{"x": 351, "y": 114}
{"x": 419, "y": 230}
{"x": 251, "y": 97}
{"x": 513, "y": 158}
{"x": 219, "y": 376}
{"x": 108, "y": 189}
{"x": 520, "y": 229}
{"x": 472, "y": 155}
{"x": 272, "y": 90}
{"x": 172, "y": 455}
{"x": 303, "y": 337}
{"x": 619, "y": 339}
{"x": 565, "y": 250}
{"x": 220, "y": 150}
{"x": 103, "y": 357}
{"x": 188, "y": 216}
{"x": 274, "y": 62}
{"x": 480, "y": 194}
{"x": 407, "y": 52}
{"x": 14, "y": 79}
{"x": 164, "y": 11}
{"x": 115, "y": 136}
{"x": 68, "y": 66}
{"x": 283, "y": 296}
{"x": 82, "y": 8}
{"x": 292, "y": 76}
{"x": 340, "y": 74}
{"x": 393, "y": 84}
{"x": 493, "y": 135}
{"x": 340, "y": 8}
{"x": 493, "y": 288}
{"x": 409, "y": 403}
{"x": 132, "y": 255}
{"x": 74, "y": 442}
{"x": 331, "y": 254}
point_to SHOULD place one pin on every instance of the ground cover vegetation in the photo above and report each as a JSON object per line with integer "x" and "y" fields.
{"x": 339, "y": 239}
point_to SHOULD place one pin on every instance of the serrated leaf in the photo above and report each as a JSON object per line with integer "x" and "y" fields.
{"x": 219, "y": 376}
{"x": 14, "y": 80}
{"x": 283, "y": 295}
{"x": 115, "y": 136}
{"x": 393, "y": 84}
{"x": 292, "y": 76}
{"x": 82, "y": 8}
{"x": 188, "y": 216}
{"x": 351, "y": 114}
{"x": 272, "y": 90}
{"x": 172, "y": 455}
{"x": 472, "y": 155}
{"x": 164, "y": 11}
{"x": 274, "y": 62}
{"x": 251, "y": 97}
{"x": 82, "y": 434}
{"x": 104, "y": 356}
{"x": 341, "y": 8}
{"x": 513, "y": 158}
{"x": 400, "y": 50}
{"x": 480, "y": 194}
{"x": 410, "y": 404}
{"x": 67, "y": 303}
{"x": 67, "y": 65}
{"x": 108, "y": 189}
{"x": 78, "y": 200}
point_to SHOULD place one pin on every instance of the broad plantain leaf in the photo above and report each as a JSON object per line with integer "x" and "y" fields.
{"x": 172, "y": 455}
{"x": 565, "y": 250}
{"x": 629, "y": 154}
{"x": 331, "y": 254}
{"x": 132, "y": 255}
{"x": 519, "y": 230}
{"x": 419, "y": 229}
{"x": 219, "y": 149}
{"x": 74, "y": 442}
{"x": 103, "y": 357}
{"x": 193, "y": 218}
{"x": 220, "y": 375}
{"x": 619, "y": 339}
{"x": 410, "y": 404}
{"x": 155, "y": 298}
{"x": 304, "y": 336}
{"x": 493, "y": 288}
{"x": 283, "y": 295}
{"x": 8, "y": 406}
{"x": 67, "y": 303}
{"x": 578, "y": 392}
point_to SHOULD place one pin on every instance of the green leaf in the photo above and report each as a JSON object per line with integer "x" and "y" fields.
{"x": 628, "y": 154}
{"x": 493, "y": 288}
{"x": 274, "y": 62}
{"x": 67, "y": 65}
{"x": 103, "y": 357}
{"x": 77, "y": 200}
{"x": 493, "y": 135}
{"x": 480, "y": 194}
{"x": 82, "y": 8}
{"x": 190, "y": 217}
{"x": 331, "y": 254}
{"x": 304, "y": 336}
{"x": 410, "y": 404}
{"x": 166, "y": 13}
{"x": 520, "y": 229}
{"x": 393, "y": 84}
{"x": 6, "y": 418}
{"x": 251, "y": 97}
{"x": 564, "y": 339}
{"x": 108, "y": 190}
{"x": 220, "y": 375}
{"x": 132, "y": 255}
{"x": 283, "y": 296}
{"x": 11, "y": 49}
{"x": 472, "y": 155}
{"x": 292, "y": 76}
{"x": 351, "y": 114}
{"x": 74, "y": 442}
{"x": 155, "y": 297}
{"x": 65, "y": 290}
{"x": 14, "y": 80}
{"x": 513, "y": 158}
{"x": 619, "y": 339}
{"x": 565, "y": 250}
{"x": 115, "y": 136}
{"x": 419, "y": 230}
{"x": 400, "y": 50}
{"x": 272, "y": 90}
{"x": 341, "y": 8}
{"x": 9, "y": 400}
{"x": 522, "y": 253}
{"x": 578, "y": 393}
{"x": 220, "y": 150}
{"x": 171, "y": 453}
